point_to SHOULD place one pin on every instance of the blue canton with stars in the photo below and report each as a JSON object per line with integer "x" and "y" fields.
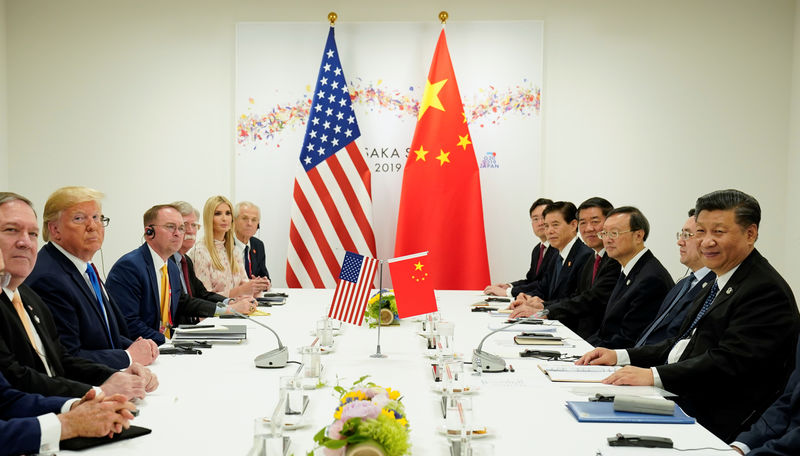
{"x": 351, "y": 266}
{"x": 331, "y": 121}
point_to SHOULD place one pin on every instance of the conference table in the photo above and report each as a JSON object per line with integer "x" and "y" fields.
{"x": 207, "y": 404}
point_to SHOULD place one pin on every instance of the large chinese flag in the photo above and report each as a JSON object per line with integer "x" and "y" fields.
{"x": 440, "y": 204}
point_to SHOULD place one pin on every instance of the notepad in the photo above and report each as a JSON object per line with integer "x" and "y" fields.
{"x": 603, "y": 412}
{"x": 563, "y": 372}
{"x": 217, "y": 332}
{"x": 538, "y": 339}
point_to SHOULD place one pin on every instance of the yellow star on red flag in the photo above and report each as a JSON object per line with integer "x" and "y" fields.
{"x": 463, "y": 141}
{"x": 430, "y": 98}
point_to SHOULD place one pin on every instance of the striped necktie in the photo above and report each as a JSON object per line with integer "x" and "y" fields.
{"x": 166, "y": 317}
{"x": 703, "y": 310}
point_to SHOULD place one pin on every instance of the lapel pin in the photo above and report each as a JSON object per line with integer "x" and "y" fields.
{"x": 36, "y": 317}
{"x": 729, "y": 290}
{"x": 628, "y": 282}
{"x": 569, "y": 263}
{"x": 704, "y": 284}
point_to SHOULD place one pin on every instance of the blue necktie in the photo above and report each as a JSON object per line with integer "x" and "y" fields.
{"x": 99, "y": 295}
{"x": 687, "y": 284}
{"x": 703, "y": 310}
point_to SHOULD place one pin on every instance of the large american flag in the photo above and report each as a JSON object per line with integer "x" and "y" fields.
{"x": 332, "y": 202}
{"x": 352, "y": 291}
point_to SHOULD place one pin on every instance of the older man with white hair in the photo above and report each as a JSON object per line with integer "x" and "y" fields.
{"x": 246, "y": 221}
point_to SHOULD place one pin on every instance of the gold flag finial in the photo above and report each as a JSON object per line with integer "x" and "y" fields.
{"x": 443, "y": 16}
{"x": 332, "y": 18}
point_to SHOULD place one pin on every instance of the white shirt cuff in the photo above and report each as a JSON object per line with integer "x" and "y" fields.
{"x": 745, "y": 449}
{"x": 68, "y": 405}
{"x": 656, "y": 378}
{"x": 623, "y": 359}
{"x": 130, "y": 358}
{"x": 222, "y": 310}
{"x": 51, "y": 433}
{"x": 508, "y": 290}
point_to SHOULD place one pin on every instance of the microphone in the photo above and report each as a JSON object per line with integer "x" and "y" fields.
{"x": 487, "y": 361}
{"x": 272, "y": 359}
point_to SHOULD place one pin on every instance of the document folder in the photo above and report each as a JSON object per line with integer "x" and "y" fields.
{"x": 603, "y": 412}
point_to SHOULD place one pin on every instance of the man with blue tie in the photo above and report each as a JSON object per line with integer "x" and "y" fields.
{"x": 676, "y": 304}
{"x": 735, "y": 349}
{"x": 90, "y": 324}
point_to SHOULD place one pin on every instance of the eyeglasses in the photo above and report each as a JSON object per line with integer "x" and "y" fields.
{"x": 611, "y": 234}
{"x": 196, "y": 226}
{"x": 81, "y": 219}
{"x": 171, "y": 227}
{"x": 683, "y": 235}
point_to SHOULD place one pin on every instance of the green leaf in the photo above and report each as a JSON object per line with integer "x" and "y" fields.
{"x": 360, "y": 380}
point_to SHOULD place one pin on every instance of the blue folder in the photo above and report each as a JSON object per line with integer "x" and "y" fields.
{"x": 603, "y": 412}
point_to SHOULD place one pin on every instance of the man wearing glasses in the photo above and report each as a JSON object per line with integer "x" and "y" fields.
{"x": 90, "y": 325}
{"x": 641, "y": 286}
{"x": 676, "y": 304}
{"x": 147, "y": 285}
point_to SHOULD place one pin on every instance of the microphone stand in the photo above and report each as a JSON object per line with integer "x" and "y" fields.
{"x": 488, "y": 362}
{"x": 272, "y": 359}
{"x": 378, "y": 353}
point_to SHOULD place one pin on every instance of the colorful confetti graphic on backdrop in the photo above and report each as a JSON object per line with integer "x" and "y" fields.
{"x": 488, "y": 107}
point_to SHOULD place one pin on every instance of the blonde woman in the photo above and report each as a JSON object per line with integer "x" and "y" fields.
{"x": 215, "y": 262}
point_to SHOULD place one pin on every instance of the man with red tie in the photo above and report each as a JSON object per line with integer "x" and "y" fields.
{"x": 583, "y": 311}
{"x": 541, "y": 256}
{"x": 246, "y": 220}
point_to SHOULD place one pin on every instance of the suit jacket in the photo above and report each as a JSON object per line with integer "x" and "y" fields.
{"x": 672, "y": 321}
{"x": 133, "y": 284}
{"x": 777, "y": 431}
{"x": 23, "y": 368}
{"x": 79, "y": 320}
{"x": 583, "y": 311}
{"x": 258, "y": 257}
{"x": 740, "y": 355}
{"x": 533, "y": 276}
{"x": 196, "y": 285}
{"x": 565, "y": 282}
{"x": 633, "y": 303}
{"x": 19, "y": 428}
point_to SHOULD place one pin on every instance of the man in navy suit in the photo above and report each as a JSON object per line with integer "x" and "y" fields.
{"x": 541, "y": 256}
{"x": 246, "y": 220}
{"x": 777, "y": 431}
{"x": 584, "y": 309}
{"x": 640, "y": 288}
{"x": 561, "y": 277}
{"x": 676, "y": 304}
{"x": 31, "y": 357}
{"x": 735, "y": 349}
{"x": 147, "y": 285}
{"x": 90, "y": 324}
{"x": 31, "y": 423}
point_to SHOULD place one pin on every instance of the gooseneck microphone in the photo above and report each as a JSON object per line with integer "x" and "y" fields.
{"x": 487, "y": 361}
{"x": 272, "y": 359}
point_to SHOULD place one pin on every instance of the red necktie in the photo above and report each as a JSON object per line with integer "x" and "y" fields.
{"x": 542, "y": 248}
{"x": 596, "y": 265}
{"x": 185, "y": 269}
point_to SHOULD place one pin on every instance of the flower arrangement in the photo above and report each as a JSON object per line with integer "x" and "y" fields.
{"x": 367, "y": 414}
{"x": 375, "y": 309}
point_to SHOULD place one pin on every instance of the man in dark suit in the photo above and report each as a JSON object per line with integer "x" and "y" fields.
{"x": 31, "y": 357}
{"x": 584, "y": 309}
{"x": 31, "y": 423}
{"x": 735, "y": 349}
{"x": 640, "y": 287}
{"x": 541, "y": 256}
{"x": 147, "y": 285}
{"x": 246, "y": 220}
{"x": 89, "y": 323}
{"x": 676, "y": 304}
{"x": 777, "y": 431}
{"x": 561, "y": 277}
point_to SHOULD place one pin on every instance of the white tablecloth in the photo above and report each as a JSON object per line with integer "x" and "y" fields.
{"x": 206, "y": 404}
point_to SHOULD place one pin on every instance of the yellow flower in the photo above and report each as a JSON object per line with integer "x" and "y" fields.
{"x": 338, "y": 413}
{"x": 353, "y": 396}
{"x": 393, "y": 394}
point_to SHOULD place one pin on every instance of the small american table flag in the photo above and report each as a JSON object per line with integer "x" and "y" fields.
{"x": 352, "y": 291}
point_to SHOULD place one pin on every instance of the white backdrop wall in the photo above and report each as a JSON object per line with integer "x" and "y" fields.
{"x": 3, "y": 100}
{"x": 644, "y": 102}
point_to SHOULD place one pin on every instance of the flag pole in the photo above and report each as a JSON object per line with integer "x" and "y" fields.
{"x": 378, "y": 353}
{"x": 332, "y": 16}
